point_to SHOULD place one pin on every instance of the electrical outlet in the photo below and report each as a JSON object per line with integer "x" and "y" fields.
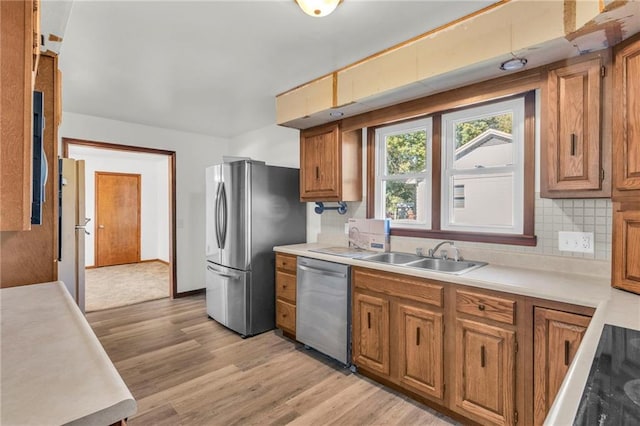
{"x": 581, "y": 242}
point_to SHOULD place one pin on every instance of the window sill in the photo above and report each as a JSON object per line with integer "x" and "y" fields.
{"x": 510, "y": 239}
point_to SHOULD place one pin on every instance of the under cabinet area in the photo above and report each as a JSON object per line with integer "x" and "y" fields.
{"x": 286, "y": 293}
{"x": 557, "y": 335}
{"x": 398, "y": 330}
{"x": 420, "y": 349}
{"x": 371, "y": 332}
{"x": 330, "y": 164}
{"x": 485, "y": 357}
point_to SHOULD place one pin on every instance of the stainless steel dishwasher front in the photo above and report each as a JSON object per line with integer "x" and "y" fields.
{"x": 323, "y": 311}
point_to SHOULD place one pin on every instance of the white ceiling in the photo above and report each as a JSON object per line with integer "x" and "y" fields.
{"x": 215, "y": 67}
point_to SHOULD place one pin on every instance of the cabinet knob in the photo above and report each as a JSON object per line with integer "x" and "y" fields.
{"x": 481, "y": 307}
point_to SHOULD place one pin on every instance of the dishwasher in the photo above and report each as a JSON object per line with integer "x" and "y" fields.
{"x": 323, "y": 311}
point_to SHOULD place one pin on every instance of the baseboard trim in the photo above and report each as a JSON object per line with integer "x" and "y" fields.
{"x": 154, "y": 260}
{"x": 188, "y": 293}
{"x": 141, "y": 261}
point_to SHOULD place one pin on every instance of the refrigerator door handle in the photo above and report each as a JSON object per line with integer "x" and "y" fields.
{"x": 217, "y": 213}
{"x": 223, "y": 231}
{"x": 231, "y": 277}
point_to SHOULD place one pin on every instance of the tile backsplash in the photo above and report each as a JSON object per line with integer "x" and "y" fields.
{"x": 551, "y": 216}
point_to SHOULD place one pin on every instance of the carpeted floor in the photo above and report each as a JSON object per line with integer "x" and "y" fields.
{"x": 113, "y": 286}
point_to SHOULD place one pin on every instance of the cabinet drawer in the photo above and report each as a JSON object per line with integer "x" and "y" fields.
{"x": 483, "y": 306}
{"x": 286, "y": 316}
{"x": 286, "y": 286}
{"x": 404, "y": 286}
{"x": 286, "y": 262}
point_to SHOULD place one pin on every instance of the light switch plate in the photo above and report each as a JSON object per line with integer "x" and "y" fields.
{"x": 581, "y": 242}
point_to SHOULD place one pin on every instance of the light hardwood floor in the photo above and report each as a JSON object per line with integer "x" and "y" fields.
{"x": 185, "y": 369}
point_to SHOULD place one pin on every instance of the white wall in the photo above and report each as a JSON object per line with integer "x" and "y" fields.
{"x": 154, "y": 199}
{"x": 278, "y": 146}
{"x": 194, "y": 152}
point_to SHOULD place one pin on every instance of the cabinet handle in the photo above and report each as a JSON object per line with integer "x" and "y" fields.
{"x": 573, "y": 143}
{"x": 317, "y": 172}
{"x": 566, "y": 352}
{"x": 284, "y": 286}
{"x": 417, "y": 336}
{"x": 482, "y": 356}
{"x": 368, "y": 319}
{"x": 481, "y": 307}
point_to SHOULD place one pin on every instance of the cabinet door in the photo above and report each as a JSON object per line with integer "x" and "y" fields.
{"x": 626, "y": 247}
{"x": 557, "y": 336}
{"x": 626, "y": 125}
{"x": 485, "y": 371}
{"x": 420, "y": 350}
{"x": 371, "y": 333}
{"x": 573, "y": 134}
{"x": 17, "y": 37}
{"x": 320, "y": 164}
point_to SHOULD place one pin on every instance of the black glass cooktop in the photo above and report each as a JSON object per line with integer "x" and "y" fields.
{"x": 612, "y": 393}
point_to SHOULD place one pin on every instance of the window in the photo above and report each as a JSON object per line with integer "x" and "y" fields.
{"x": 464, "y": 174}
{"x": 482, "y": 168}
{"x": 403, "y": 174}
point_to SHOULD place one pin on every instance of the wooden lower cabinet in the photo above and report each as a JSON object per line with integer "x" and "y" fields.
{"x": 485, "y": 371}
{"x": 420, "y": 349}
{"x": 480, "y": 356}
{"x": 286, "y": 293}
{"x": 557, "y": 336}
{"x": 371, "y": 332}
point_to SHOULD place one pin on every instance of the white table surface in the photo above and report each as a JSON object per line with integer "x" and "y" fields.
{"x": 53, "y": 368}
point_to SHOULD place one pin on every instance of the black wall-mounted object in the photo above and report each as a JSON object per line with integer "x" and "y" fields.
{"x": 39, "y": 159}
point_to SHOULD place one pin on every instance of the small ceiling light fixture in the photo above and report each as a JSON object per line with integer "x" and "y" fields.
{"x": 336, "y": 113}
{"x": 318, "y": 8}
{"x": 513, "y": 64}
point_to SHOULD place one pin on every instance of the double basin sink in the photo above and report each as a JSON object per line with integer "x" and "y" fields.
{"x": 448, "y": 266}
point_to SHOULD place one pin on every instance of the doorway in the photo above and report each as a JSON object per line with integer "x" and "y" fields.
{"x": 133, "y": 241}
{"x": 117, "y": 213}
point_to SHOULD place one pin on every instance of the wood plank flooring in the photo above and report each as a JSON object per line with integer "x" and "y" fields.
{"x": 185, "y": 369}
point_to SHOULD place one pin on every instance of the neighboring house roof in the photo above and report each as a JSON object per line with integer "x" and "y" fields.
{"x": 490, "y": 137}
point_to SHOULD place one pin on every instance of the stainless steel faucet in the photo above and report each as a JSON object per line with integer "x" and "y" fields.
{"x": 444, "y": 255}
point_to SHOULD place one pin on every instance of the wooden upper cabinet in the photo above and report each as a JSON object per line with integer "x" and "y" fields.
{"x": 420, "y": 357}
{"x": 626, "y": 121}
{"x": 625, "y": 263}
{"x": 371, "y": 332}
{"x": 330, "y": 164}
{"x": 557, "y": 336}
{"x": 19, "y": 42}
{"x": 572, "y": 157}
{"x": 485, "y": 372}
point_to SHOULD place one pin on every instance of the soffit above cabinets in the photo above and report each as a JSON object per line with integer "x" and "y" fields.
{"x": 54, "y": 17}
{"x": 466, "y": 52}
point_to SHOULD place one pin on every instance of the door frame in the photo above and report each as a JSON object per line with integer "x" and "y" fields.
{"x": 96, "y": 240}
{"x": 173, "y": 265}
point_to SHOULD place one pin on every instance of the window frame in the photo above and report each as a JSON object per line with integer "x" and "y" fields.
{"x": 380, "y": 135}
{"x": 527, "y": 238}
{"x": 450, "y": 119}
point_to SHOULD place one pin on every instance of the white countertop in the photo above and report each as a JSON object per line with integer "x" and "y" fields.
{"x": 53, "y": 368}
{"x": 613, "y": 306}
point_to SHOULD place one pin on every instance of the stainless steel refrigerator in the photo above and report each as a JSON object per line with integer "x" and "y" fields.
{"x": 71, "y": 227}
{"x": 250, "y": 208}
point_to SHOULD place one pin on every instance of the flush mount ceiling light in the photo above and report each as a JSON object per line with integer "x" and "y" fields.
{"x": 318, "y": 8}
{"x": 513, "y": 64}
